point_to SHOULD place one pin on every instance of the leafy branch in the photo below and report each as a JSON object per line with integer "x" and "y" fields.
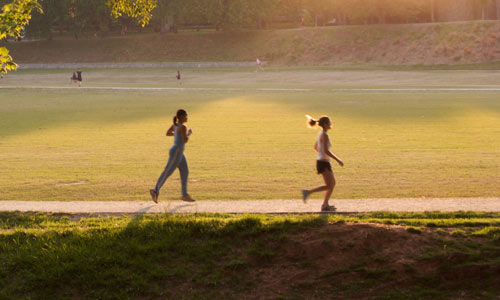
{"x": 13, "y": 18}
{"x": 138, "y": 9}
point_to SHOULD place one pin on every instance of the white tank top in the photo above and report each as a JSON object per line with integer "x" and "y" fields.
{"x": 322, "y": 152}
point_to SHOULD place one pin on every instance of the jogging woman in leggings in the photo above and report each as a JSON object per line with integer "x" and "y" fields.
{"x": 177, "y": 159}
{"x": 323, "y": 166}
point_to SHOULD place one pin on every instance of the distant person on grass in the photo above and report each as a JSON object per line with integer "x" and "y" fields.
{"x": 73, "y": 78}
{"x": 77, "y": 77}
{"x": 176, "y": 157}
{"x": 323, "y": 166}
{"x": 258, "y": 65}
{"x": 178, "y": 76}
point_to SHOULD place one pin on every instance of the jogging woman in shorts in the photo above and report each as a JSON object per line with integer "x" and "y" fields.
{"x": 323, "y": 166}
{"x": 176, "y": 157}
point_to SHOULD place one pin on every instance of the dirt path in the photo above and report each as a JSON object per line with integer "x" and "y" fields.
{"x": 132, "y": 65}
{"x": 257, "y": 206}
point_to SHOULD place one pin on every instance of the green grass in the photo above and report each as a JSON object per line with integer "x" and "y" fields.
{"x": 78, "y": 144}
{"x": 207, "y": 256}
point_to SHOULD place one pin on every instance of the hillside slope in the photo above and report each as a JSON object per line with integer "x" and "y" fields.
{"x": 412, "y": 44}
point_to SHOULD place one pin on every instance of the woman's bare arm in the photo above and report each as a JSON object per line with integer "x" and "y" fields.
{"x": 170, "y": 131}
{"x": 324, "y": 141}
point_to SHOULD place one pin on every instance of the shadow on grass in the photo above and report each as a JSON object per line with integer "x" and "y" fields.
{"x": 28, "y": 110}
{"x": 51, "y": 257}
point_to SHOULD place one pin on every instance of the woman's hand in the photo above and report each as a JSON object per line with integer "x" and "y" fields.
{"x": 190, "y": 131}
{"x": 341, "y": 163}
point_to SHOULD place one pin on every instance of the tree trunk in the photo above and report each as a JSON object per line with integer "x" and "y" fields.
{"x": 497, "y": 6}
{"x": 163, "y": 25}
{"x": 381, "y": 18}
{"x": 49, "y": 33}
{"x": 433, "y": 11}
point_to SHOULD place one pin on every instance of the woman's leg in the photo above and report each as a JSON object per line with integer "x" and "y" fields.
{"x": 329, "y": 185}
{"x": 318, "y": 189}
{"x": 184, "y": 172}
{"x": 172, "y": 164}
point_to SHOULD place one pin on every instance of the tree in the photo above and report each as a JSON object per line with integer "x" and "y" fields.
{"x": 42, "y": 24}
{"x": 169, "y": 12}
{"x": 161, "y": 13}
{"x": 259, "y": 12}
{"x": 224, "y": 13}
{"x": 13, "y": 18}
{"x": 17, "y": 14}
{"x": 86, "y": 16}
{"x": 484, "y": 6}
{"x": 317, "y": 9}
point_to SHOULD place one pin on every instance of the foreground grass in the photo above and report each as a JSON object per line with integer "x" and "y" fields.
{"x": 110, "y": 145}
{"x": 233, "y": 256}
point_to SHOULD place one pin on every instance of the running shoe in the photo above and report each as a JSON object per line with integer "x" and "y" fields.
{"x": 305, "y": 195}
{"x": 187, "y": 198}
{"x": 154, "y": 195}
{"x": 328, "y": 208}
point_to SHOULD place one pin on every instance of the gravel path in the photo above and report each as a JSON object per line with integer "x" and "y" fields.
{"x": 256, "y": 206}
{"x": 131, "y": 65}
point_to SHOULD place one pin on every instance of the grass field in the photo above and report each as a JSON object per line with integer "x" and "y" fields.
{"x": 79, "y": 144}
{"x": 440, "y": 256}
{"x": 322, "y": 78}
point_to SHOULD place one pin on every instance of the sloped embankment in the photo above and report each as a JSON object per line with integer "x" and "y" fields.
{"x": 411, "y": 44}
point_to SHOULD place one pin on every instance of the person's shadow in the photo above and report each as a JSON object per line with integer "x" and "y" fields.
{"x": 148, "y": 209}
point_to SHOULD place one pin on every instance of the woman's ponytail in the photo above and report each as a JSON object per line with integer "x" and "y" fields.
{"x": 321, "y": 122}
{"x": 175, "y": 120}
{"x": 310, "y": 121}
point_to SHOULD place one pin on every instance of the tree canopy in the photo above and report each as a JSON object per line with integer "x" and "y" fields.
{"x": 13, "y": 18}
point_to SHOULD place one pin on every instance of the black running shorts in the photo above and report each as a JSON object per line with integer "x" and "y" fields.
{"x": 322, "y": 165}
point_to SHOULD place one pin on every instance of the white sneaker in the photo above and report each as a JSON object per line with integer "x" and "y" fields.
{"x": 305, "y": 195}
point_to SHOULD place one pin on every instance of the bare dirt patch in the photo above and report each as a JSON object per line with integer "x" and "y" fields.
{"x": 361, "y": 260}
{"x": 336, "y": 254}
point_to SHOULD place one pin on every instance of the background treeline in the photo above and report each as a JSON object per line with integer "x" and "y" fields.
{"x": 92, "y": 17}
